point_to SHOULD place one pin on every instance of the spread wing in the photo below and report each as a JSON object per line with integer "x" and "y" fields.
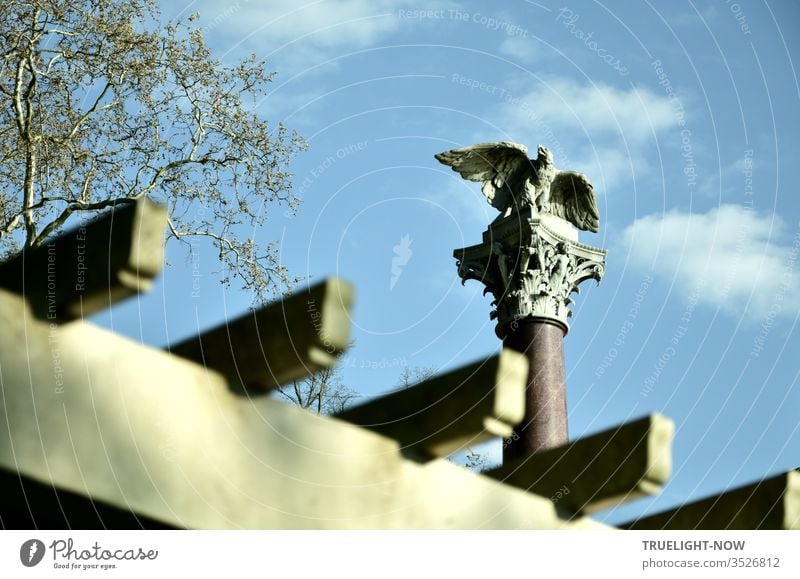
{"x": 572, "y": 198}
{"x": 499, "y": 165}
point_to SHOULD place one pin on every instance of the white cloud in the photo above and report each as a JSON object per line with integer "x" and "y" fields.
{"x": 306, "y": 32}
{"x": 526, "y": 50}
{"x": 733, "y": 179}
{"x": 729, "y": 253}
{"x": 597, "y": 129}
{"x": 599, "y": 110}
{"x": 608, "y": 166}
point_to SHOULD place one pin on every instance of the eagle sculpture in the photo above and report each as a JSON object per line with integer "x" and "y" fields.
{"x": 511, "y": 181}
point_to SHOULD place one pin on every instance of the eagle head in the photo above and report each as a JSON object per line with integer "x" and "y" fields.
{"x": 544, "y": 155}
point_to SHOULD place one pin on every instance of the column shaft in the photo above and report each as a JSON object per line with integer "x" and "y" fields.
{"x": 545, "y": 422}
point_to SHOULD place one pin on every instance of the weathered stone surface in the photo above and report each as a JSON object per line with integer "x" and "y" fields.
{"x": 137, "y": 428}
{"x": 773, "y": 503}
{"x": 531, "y": 270}
{"x": 452, "y": 411}
{"x": 599, "y": 471}
{"x": 512, "y": 182}
{"x": 280, "y": 342}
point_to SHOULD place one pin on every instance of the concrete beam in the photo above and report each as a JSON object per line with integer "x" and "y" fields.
{"x": 89, "y": 268}
{"x": 280, "y": 342}
{"x": 449, "y": 412}
{"x": 103, "y": 416}
{"x": 773, "y": 503}
{"x": 598, "y": 471}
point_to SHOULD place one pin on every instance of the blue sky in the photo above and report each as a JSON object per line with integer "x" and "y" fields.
{"x": 683, "y": 114}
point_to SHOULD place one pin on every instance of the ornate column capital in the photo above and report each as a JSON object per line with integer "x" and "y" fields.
{"x": 532, "y": 264}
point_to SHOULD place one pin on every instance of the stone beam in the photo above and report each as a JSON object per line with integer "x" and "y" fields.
{"x": 598, "y": 471}
{"x": 773, "y": 503}
{"x": 449, "y": 412}
{"x": 103, "y": 416}
{"x": 93, "y": 266}
{"x": 280, "y": 342}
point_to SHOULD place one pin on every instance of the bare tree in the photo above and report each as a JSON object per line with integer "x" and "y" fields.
{"x": 101, "y": 105}
{"x": 476, "y": 461}
{"x": 322, "y": 392}
{"x": 415, "y": 374}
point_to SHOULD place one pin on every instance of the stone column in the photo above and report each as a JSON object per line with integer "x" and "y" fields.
{"x": 545, "y": 423}
{"x": 532, "y": 264}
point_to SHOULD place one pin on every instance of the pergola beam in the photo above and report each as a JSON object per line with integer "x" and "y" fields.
{"x": 452, "y": 411}
{"x": 283, "y": 341}
{"x": 102, "y": 416}
{"x": 93, "y": 266}
{"x": 773, "y": 503}
{"x": 598, "y": 471}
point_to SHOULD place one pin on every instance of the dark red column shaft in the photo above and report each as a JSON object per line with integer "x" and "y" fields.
{"x": 545, "y": 422}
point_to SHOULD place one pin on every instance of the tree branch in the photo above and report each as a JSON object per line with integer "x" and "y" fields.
{"x": 72, "y": 208}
